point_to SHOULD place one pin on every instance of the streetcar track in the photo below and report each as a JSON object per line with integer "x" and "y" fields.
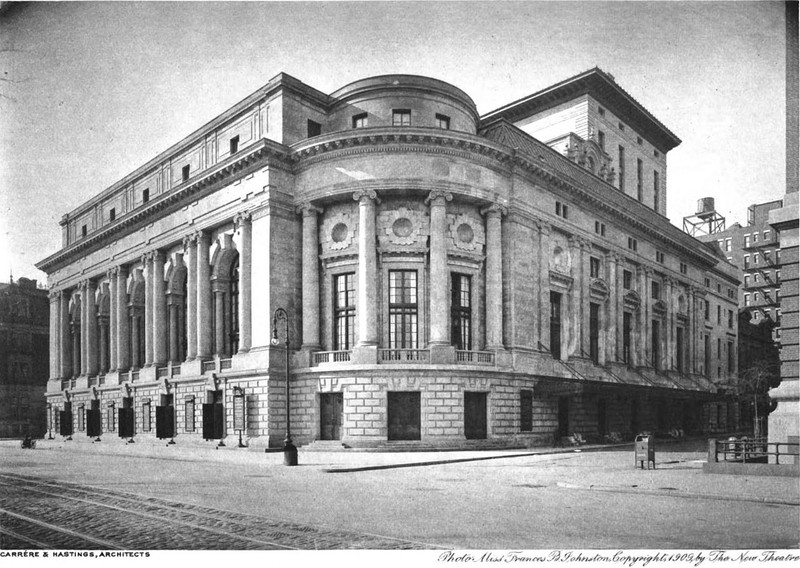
{"x": 56, "y": 528}
{"x": 244, "y": 530}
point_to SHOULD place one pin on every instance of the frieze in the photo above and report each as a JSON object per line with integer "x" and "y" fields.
{"x": 404, "y": 383}
{"x": 660, "y": 307}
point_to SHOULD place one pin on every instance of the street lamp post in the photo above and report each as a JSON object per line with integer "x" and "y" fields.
{"x": 289, "y": 450}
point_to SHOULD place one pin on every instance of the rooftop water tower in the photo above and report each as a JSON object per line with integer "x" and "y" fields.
{"x": 706, "y": 221}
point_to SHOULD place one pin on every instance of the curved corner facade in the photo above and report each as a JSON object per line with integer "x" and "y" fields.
{"x": 448, "y": 282}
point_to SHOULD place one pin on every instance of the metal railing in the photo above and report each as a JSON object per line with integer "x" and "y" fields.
{"x": 475, "y": 357}
{"x": 176, "y": 370}
{"x": 225, "y": 364}
{"x": 209, "y": 366}
{"x": 162, "y": 372}
{"x": 330, "y": 357}
{"x": 407, "y": 355}
{"x": 753, "y": 450}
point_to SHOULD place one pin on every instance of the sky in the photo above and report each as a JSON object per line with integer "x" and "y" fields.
{"x": 90, "y": 91}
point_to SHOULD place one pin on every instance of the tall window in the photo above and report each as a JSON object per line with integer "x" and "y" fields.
{"x": 525, "y": 410}
{"x": 594, "y": 332}
{"x": 627, "y": 337}
{"x": 185, "y": 172}
{"x": 344, "y": 311}
{"x": 639, "y": 179}
{"x": 601, "y": 139}
{"x": 555, "y": 325}
{"x": 594, "y": 267}
{"x": 656, "y": 191}
{"x": 401, "y": 117}
{"x": 313, "y": 128}
{"x": 461, "y": 311}
{"x": 627, "y": 279}
{"x": 622, "y": 168}
{"x": 656, "y": 344}
{"x": 679, "y": 348}
{"x": 233, "y": 309}
{"x": 403, "y": 310}
{"x": 234, "y": 144}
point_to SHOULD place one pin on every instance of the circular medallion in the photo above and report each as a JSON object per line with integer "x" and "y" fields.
{"x": 339, "y": 232}
{"x": 465, "y": 233}
{"x": 402, "y": 227}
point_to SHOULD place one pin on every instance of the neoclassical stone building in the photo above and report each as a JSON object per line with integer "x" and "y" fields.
{"x": 449, "y": 279}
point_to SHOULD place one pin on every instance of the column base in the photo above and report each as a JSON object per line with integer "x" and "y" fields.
{"x": 442, "y": 354}
{"x": 192, "y": 368}
{"x": 365, "y": 355}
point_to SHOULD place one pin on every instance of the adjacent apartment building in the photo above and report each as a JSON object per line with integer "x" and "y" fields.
{"x": 23, "y": 358}
{"x": 449, "y": 278}
{"x": 755, "y": 249}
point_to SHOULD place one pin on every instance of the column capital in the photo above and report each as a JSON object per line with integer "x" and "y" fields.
{"x": 90, "y": 285}
{"x": 439, "y": 196}
{"x": 614, "y": 257}
{"x": 544, "y": 227}
{"x": 241, "y": 218}
{"x": 494, "y": 209}
{"x": 189, "y": 240}
{"x": 307, "y": 209}
{"x": 579, "y": 242}
{"x": 54, "y": 295}
{"x": 366, "y": 194}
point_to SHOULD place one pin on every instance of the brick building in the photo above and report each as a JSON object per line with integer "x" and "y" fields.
{"x": 23, "y": 358}
{"x": 449, "y": 279}
{"x": 756, "y": 250}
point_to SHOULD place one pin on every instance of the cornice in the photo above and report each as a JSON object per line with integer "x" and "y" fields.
{"x": 250, "y": 160}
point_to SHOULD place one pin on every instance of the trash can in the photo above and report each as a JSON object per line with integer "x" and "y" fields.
{"x": 644, "y": 450}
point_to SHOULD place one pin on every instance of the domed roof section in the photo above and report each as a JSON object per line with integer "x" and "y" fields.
{"x": 423, "y": 95}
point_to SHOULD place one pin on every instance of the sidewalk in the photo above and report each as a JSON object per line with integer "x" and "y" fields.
{"x": 678, "y": 470}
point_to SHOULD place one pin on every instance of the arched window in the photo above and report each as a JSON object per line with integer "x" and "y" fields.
{"x": 75, "y": 329}
{"x": 225, "y": 287}
{"x": 233, "y": 308}
{"x": 136, "y": 327}
{"x": 176, "y": 305}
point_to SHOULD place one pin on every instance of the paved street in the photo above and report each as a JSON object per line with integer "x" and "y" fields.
{"x": 90, "y": 496}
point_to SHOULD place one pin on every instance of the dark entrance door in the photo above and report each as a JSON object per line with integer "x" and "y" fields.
{"x": 214, "y": 417}
{"x": 126, "y": 418}
{"x": 563, "y": 416}
{"x": 94, "y": 421}
{"x": 475, "y": 415}
{"x": 165, "y": 417}
{"x": 601, "y": 417}
{"x": 403, "y": 410}
{"x": 66, "y": 419}
{"x": 594, "y": 332}
{"x": 330, "y": 416}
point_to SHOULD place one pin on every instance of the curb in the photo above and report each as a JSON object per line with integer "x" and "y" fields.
{"x": 684, "y": 495}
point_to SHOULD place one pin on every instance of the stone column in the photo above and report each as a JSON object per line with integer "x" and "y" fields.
{"x": 123, "y": 320}
{"x": 65, "y": 342}
{"x": 669, "y": 323}
{"x": 543, "y": 255}
{"x": 245, "y": 223}
{"x": 367, "y": 305}
{"x": 204, "y": 300}
{"x": 647, "y": 302}
{"x": 190, "y": 246}
{"x": 219, "y": 318}
{"x": 104, "y": 346}
{"x": 92, "y": 365}
{"x": 613, "y": 324}
{"x": 135, "y": 322}
{"x": 310, "y": 275}
{"x": 439, "y": 274}
{"x": 55, "y": 333}
{"x": 173, "y": 333}
{"x": 159, "y": 310}
{"x": 147, "y": 261}
{"x": 112, "y": 319}
{"x": 77, "y": 347}
{"x": 83, "y": 329}
{"x": 577, "y": 298}
{"x": 494, "y": 276}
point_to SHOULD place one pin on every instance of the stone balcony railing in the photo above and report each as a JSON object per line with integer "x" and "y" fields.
{"x": 410, "y": 356}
